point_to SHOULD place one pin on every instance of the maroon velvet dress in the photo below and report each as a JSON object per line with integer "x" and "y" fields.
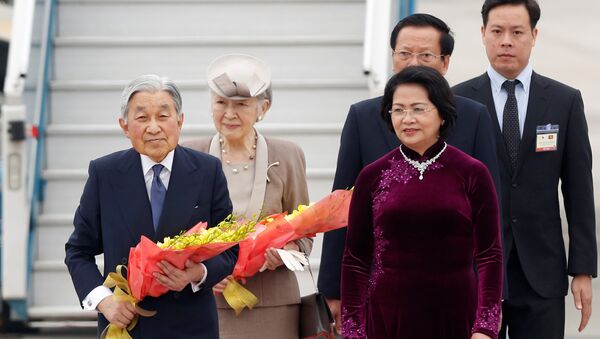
{"x": 411, "y": 246}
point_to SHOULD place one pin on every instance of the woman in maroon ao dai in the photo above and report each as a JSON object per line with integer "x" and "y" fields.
{"x": 420, "y": 218}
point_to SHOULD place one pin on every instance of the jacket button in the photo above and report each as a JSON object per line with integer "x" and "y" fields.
{"x": 514, "y": 220}
{"x": 124, "y": 261}
{"x": 514, "y": 185}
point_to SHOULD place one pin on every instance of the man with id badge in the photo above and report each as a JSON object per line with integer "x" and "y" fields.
{"x": 542, "y": 139}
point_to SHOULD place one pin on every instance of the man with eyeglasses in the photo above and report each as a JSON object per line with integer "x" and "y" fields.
{"x": 419, "y": 39}
{"x": 542, "y": 138}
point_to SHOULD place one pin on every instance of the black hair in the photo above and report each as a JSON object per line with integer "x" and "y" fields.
{"x": 425, "y": 20}
{"x": 438, "y": 92}
{"x": 532, "y": 6}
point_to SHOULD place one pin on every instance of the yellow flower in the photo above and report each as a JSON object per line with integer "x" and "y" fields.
{"x": 228, "y": 230}
{"x": 297, "y": 211}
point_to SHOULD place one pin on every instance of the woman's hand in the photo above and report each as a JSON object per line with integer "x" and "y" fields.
{"x": 478, "y": 335}
{"x": 220, "y": 286}
{"x": 273, "y": 258}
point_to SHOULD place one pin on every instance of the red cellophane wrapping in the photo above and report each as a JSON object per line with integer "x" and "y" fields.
{"x": 144, "y": 257}
{"x": 327, "y": 214}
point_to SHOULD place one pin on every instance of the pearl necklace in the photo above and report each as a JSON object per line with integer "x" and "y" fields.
{"x": 228, "y": 162}
{"x": 422, "y": 166}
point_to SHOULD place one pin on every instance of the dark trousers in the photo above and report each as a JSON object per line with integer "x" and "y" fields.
{"x": 527, "y": 315}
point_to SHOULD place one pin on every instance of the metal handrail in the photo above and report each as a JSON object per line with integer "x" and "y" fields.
{"x": 407, "y": 7}
{"x": 368, "y": 43}
{"x": 380, "y": 17}
{"x": 41, "y": 108}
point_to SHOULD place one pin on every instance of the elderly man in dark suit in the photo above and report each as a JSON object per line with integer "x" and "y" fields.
{"x": 155, "y": 189}
{"x": 419, "y": 39}
{"x": 542, "y": 137}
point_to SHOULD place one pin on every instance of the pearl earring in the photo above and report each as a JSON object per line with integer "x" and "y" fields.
{"x": 259, "y": 118}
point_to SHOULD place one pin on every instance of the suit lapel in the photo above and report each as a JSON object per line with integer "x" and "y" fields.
{"x": 391, "y": 139}
{"x": 132, "y": 196}
{"x": 536, "y": 107}
{"x": 182, "y": 195}
{"x": 483, "y": 91}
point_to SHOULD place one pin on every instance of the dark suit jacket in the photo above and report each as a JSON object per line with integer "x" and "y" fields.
{"x": 366, "y": 138}
{"x": 115, "y": 211}
{"x": 530, "y": 195}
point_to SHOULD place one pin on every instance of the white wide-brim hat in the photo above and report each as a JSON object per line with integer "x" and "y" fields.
{"x": 238, "y": 76}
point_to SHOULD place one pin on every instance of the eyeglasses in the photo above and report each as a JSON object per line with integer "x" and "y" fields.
{"x": 423, "y": 57}
{"x": 415, "y": 112}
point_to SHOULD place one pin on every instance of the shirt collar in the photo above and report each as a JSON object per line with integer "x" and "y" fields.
{"x": 496, "y": 79}
{"x": 147, "y": 163}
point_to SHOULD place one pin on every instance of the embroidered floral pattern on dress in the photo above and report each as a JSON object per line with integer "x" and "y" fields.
{"x": 376, "y": 270}
{"x": 352, "y": 328}
{"x": 488, "y": 318}
{"x": 399, "y": 171}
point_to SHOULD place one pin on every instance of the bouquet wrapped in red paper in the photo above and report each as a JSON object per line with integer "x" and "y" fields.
{"x": 327, "y": 214}
{"x": 197, "y": 244}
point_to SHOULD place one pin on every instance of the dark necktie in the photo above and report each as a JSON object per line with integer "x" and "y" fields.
{"x": 510, "y": 123}
{"x": 157, "y": 194}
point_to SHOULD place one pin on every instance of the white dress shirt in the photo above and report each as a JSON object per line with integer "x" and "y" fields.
{"x": 521, "y": 93}
{"x": 99, "y": 293}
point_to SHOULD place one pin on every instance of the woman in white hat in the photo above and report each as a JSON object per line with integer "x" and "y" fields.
{"x": 264, "y": 176}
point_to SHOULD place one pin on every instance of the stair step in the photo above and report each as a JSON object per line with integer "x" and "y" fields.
{"x": 294, "y": 101}
{"x": 153, "y": 41}
{"x": 59, "y": 265}
{"x": 283, "y": 83}
{"x": 51, "y": 284}
{"x": 79, "y": 326}
{"x": 51, "y": 239}
{"x": 73, "y": 312}
{"x": 51, "y": 233}
{"x": 221, "y": 18}
{"x": 189, "y": 62}
{"x": 51, "y": 220}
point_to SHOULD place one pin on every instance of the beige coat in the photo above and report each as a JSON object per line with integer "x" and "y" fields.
{"x": 277, "y": 290}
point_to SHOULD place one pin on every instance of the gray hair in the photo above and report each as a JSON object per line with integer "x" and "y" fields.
{"x": 150, "y": 83}
{"x": 267, "y": 94}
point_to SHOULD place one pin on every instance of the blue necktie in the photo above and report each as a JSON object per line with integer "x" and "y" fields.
{"x": 157, "y": 194}
{"x": 510, "y": 123}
